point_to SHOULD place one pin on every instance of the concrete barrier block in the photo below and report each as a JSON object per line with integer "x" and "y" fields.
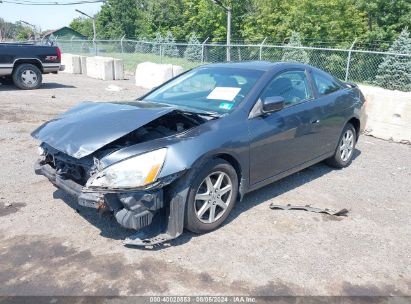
{"x": 177, "y": 70}
{"x": 71, "y": 63}
{"x": 100, "y": 67}
{"x": 389, "y": 114}
{"x": 91, "y": 67}
{"x": 106, "y": 68}
{"x": 118, "y": 69}
{"x": 83, "y": 65}
{"x": 149, "y": 75}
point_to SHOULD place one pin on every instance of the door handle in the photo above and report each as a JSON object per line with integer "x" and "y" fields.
{"x": 316, "y": 121}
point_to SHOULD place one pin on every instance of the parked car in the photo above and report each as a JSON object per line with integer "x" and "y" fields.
{"x": 188, "y": 150}
{"x": 26, "y": 63}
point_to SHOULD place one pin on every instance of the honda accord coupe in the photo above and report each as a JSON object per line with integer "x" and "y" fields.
{"x": 182, "y": 155}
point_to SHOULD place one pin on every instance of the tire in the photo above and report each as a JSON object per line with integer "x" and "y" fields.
{"x": 211, "y": 171}
{"x": 27, "y": 77}
{"x": 346, "y": 143}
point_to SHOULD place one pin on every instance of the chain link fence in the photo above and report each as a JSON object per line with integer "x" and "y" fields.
{"x": 359, "y": 66}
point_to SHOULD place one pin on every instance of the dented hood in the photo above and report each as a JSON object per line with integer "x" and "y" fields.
{"x": 89, "y": 126}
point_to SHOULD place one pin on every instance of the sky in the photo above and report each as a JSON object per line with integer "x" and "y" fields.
{"x": 46, "y": 17}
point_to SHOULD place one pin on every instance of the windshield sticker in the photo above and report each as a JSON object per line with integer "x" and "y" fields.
{"x": 225, "y": 106}
{"x": 224, "y": 93}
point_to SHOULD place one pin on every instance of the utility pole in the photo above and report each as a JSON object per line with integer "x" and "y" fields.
{"x": 347, "y": 69}
{"x": 94, "y": 28}
{"x": 32, "y": 26}
{"x": 227, "y": 9}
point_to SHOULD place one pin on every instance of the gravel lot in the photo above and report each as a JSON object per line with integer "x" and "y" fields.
{"x": 48, "y": 248}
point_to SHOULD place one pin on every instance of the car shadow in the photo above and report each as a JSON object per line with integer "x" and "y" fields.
{"x": 281, "y": 186}
{"x": 55, "y": 85}
{"x": 105, "y": 222}
{"x": 45, "y": 86}
{"x": 109, "y": 228}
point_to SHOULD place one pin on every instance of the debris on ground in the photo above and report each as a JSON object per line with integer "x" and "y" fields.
{"x": 342, "y": 212}
{"x": 8, "y": 204}
{"x": 114, "y": 88}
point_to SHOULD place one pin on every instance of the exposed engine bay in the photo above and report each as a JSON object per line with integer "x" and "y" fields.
{"x": 167, "y": 125}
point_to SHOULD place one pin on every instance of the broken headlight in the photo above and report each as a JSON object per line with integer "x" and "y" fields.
{"x": 133, "y": 172}
{"x": 41, "y": 151}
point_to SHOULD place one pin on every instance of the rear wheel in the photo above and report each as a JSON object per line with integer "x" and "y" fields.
{"x": 27, "y": 76}
{"x": 345, "y": 149}
{"x": 211, "y": 197}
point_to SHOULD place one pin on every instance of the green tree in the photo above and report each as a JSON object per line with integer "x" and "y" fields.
{"x": 14, "y": 31}
{"x": 169, "y": 46}
{"x": 295, "y": 54}
{"x": 209, "y": 20}
{"x": 123, "y": 17}
{"x": 205, "y": 18}
{"x": 385, "y": 20}
{"x": 326, "y": 22}
{"x": 157, "y": 44}
{"x": 84, "y": 26}
{"x": 164, "y": 16}
{"x": 193, "y": 50}
{"x": 9, "y": 30}
{"x": 334, "y": 23}
{"x": 394, "y": 72}
{"x": 334, "y": 64}
{"x": 24, "y": 33}
{"x": 268, "y": 18}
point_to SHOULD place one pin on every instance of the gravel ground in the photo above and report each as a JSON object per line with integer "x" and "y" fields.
{"x": 51, "y": 246}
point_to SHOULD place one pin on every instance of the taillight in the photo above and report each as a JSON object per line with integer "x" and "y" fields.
{"x": 58, "y": 54}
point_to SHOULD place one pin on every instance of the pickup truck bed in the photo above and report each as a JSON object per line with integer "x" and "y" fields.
{"x": 27, "y": 62}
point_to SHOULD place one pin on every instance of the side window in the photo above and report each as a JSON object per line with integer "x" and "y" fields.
{"x": 325, "y": 85}
{"x": 292, "y": 86}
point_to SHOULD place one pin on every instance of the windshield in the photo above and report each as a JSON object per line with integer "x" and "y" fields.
{"x": 217, "y": 90}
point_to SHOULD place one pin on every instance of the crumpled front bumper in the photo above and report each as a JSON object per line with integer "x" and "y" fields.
{"x": 132, "y": 209}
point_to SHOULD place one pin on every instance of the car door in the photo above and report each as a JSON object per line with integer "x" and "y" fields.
{"x": 333, "y": 100}
{"x": 285, "y": 139}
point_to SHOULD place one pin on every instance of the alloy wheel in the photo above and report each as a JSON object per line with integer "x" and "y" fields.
{"x": 213, "y": 197}
{"x": 347, "y": 145}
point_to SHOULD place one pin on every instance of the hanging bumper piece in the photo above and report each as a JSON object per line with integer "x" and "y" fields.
{"x": 342, "y": 212}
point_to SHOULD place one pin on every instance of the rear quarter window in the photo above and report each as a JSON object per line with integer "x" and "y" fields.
{"x": 325, "y": 84}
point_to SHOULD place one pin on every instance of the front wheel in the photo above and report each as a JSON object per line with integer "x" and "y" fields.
{"x": 211, "y": 196}
{"x": 27, "y": 76}
{"x": 345, "y": 149}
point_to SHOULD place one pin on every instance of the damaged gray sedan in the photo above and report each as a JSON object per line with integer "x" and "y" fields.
{"x": 183, "y": 154}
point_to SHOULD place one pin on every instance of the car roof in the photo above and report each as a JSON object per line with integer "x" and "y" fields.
{"x": 257, "y": 65}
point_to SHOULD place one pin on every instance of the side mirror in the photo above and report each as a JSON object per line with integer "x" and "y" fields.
{"x": 273, "y": 104}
